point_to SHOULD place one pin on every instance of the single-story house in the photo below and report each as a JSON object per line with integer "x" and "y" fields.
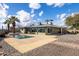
{"x": 46, "y": 28}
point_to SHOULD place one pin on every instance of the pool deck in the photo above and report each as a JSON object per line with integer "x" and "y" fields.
{"x": 28, "y": 44}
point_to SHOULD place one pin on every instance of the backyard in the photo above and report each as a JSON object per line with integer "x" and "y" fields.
{"x": 38, "y": 30}
{"x": 63, "y": 45}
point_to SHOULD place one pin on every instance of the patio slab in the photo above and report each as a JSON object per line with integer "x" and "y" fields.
{"x": 28, "y": 44}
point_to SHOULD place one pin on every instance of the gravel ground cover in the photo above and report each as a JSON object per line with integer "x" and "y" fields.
{"x": 66, "y": 45}
{"x": 69, "y": 46}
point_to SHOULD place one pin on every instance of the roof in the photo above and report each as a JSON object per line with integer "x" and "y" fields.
{"x": 44, "y": 25}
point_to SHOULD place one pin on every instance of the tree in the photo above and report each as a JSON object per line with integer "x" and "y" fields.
{"x": 69, "y": 21}
{"x": 51, "y": 21}
{"x": 73, "y": 21}
{"x": 8, "y": 23}
{"x": 47, "y": 21}
{"x": 13, "y": 20}
{"x": 40, "y": 23}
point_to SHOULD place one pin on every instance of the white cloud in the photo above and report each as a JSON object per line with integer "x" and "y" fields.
{"x": 3, "y": 6}
{"x": 34, "y": 5}
{"x": 41, "y": 13}
{"x": 72, "y": 14}
{"x": 49, "y": 4}
{"x": 32, "y": 11}
{"x": 6, "y": 6}
{"x": 60, "y": 19}
{"x": 32, "y": 15}
{"x": 9, "y": 16}
{"x": 55, "y": 4}
{"x": 23, "y": 16}
{"x": 3, "y": 12}
{"x": 63, "y": 16}
{"x": 58, "y": 4}
{"x": 58, "y": 16}
{"x": 38, "y": 19}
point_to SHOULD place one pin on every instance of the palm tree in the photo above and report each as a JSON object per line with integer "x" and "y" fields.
{"x": 47, "y": 21}
{"x": 40, "y": 23}
{"x": 8, "y": 23}
{"x": 12, "y": 20}
{"x": 51, "y": 21}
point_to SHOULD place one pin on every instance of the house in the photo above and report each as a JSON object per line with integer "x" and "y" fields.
{"x": 45, "y": 28}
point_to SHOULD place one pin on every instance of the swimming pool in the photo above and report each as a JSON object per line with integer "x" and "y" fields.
{"x": 19, "y": 36}
{"x": 22, "y": 36}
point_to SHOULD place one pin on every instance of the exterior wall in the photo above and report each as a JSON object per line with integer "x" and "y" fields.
{"x": 55, "y": 30}
{"x": 47, "y": 30}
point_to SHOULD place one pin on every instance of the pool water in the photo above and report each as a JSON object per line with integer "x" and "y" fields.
{"x": 22, "y": 36}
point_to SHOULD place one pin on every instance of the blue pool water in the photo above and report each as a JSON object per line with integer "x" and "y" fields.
{"x": 22, "y": 36}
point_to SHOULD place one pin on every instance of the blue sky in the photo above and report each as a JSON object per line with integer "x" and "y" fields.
{"x": 39, "y": 12}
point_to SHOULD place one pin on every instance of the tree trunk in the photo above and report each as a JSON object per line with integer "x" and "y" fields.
{"x": 13, "y": 28}
{"x": 8, "y": 27}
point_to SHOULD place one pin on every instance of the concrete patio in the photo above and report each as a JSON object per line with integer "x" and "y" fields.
{"x": 28, "y": 44}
